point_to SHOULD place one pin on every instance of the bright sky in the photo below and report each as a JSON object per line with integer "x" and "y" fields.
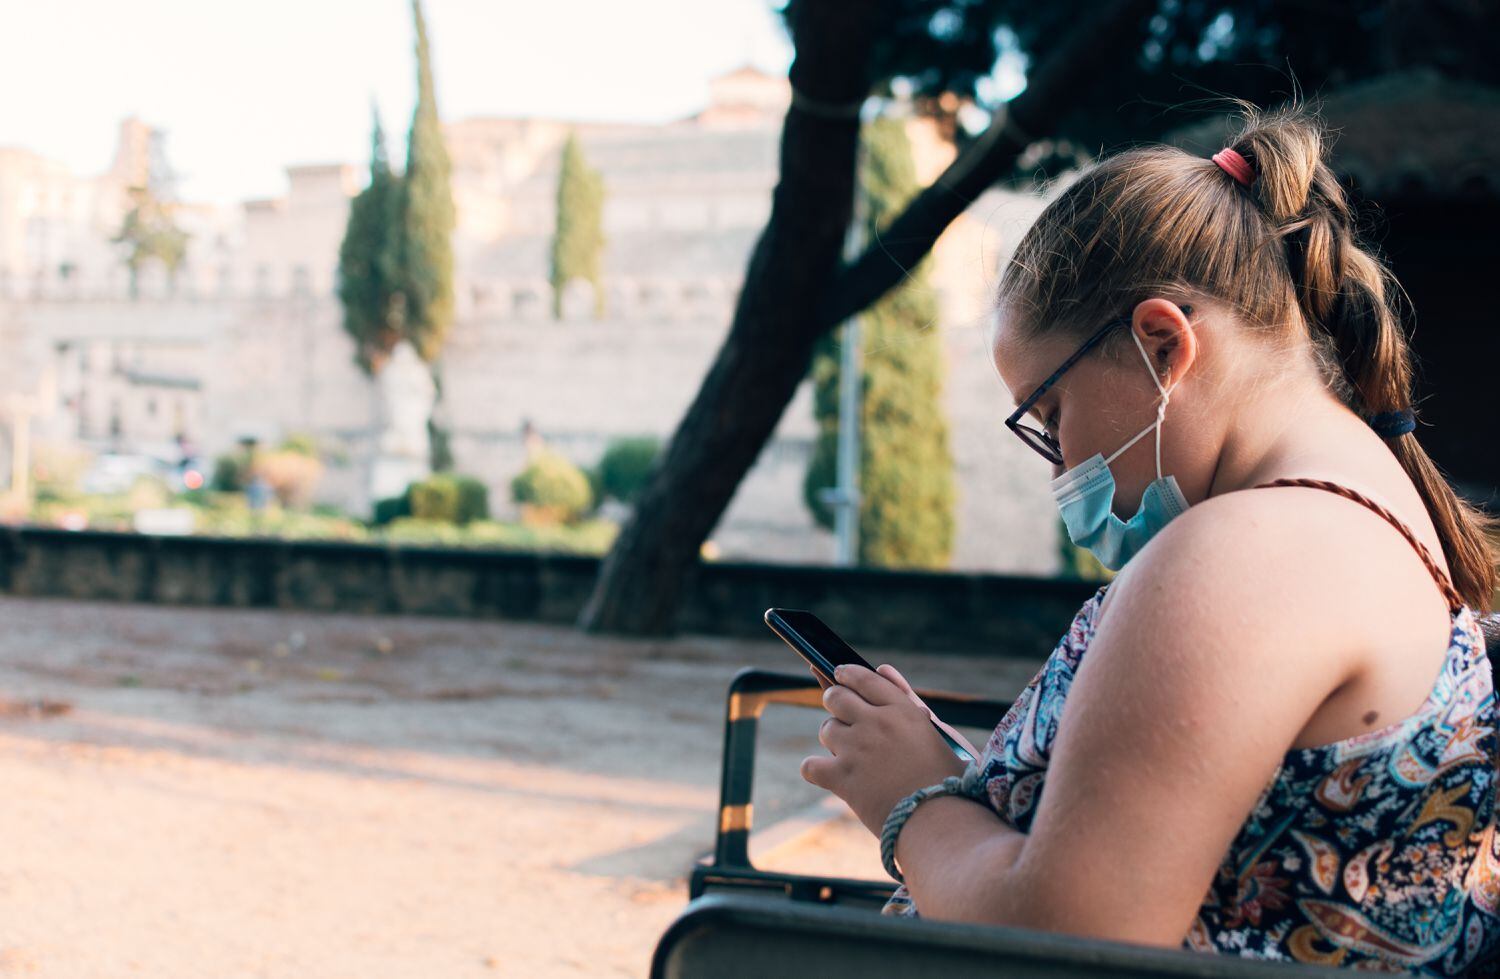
{"x": 243, "y": 89}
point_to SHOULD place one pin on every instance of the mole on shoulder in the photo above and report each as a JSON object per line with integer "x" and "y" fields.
{"x": 1369, "y": 718}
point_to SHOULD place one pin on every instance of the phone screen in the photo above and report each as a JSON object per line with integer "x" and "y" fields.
{"x": 824, "y": 650}
{"x": 823, "y": 640}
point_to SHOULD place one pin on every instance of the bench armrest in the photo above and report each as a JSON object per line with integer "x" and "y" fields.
{"x": 731, "y": 936}
{"x": 750, "y": 693}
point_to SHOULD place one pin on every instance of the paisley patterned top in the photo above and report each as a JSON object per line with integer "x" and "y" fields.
{"x": 1377, "y": 852}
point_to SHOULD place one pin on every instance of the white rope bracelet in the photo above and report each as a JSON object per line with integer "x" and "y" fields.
{"x": 970, "y": 785}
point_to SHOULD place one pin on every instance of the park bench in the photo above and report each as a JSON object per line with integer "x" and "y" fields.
{"x": 743, "y": 921}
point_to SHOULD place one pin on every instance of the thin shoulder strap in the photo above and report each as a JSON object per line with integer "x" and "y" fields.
{"x": 1455, "y": 602}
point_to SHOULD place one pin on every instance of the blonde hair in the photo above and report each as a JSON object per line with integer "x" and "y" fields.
{"x": 1284, "y": 253}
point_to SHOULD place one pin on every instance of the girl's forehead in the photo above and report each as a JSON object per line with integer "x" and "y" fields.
{"x": 1024, "y": 357}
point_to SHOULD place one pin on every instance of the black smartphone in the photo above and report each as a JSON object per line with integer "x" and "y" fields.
{"x": 823, "y": 650}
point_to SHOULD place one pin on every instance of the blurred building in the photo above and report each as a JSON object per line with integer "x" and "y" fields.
{"x": 245, "y": 339}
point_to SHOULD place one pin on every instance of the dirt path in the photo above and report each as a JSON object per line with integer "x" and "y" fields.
{"x": 193, "y": 793}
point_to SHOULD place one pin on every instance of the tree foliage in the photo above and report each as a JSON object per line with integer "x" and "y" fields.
{"x": 578, "y": 241}
{"x": 625, "y": 467}
{"x": 396, "y": 259}
{"x": 150, "y": 232}
{"x": 368, "y": 269}
{"x": 1096, "y": 75}
{"x": 1186, "y": 50}
{"x": 425, "y": 247}
{"x": 553, "y": 488}
{"x": 906, "y": 466}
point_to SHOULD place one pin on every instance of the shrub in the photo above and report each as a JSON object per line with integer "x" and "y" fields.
{"x": 291, "y": 475}
{"x": 473, "y": 499}
{"x": 200, "y": 497}
{"x": 586, "y": 537}
{"x": 58, "y": 469}
{"x": 231, "y": 473}
{"x": 418, "y": 530}
{"x": 448, "y": 498}
{"x": 390, "y": 509}
{"x": 148, "y": 492}
{"x": 552, "y": 490}
{"x": 301, "y": 443}
{"x": 625, "y": 467}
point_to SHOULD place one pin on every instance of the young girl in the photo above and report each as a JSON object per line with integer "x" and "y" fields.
{"x": 1273, "y": 733}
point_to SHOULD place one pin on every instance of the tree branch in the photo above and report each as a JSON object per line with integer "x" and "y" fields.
{"x": 1052, "y": 88}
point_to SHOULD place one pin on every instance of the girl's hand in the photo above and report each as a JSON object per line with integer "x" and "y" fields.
{"x": 890, "y": 673}
{"x": 882, "y": 745}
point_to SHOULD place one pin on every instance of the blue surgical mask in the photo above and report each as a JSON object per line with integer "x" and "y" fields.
{"x": 1085, "y": 496}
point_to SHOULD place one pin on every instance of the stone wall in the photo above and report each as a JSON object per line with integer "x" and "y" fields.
{"x": 977, "y": 613}
{"x": 272, "y": 368}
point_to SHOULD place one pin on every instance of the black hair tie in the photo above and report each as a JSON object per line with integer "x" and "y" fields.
{"x": 1389, "y": 424}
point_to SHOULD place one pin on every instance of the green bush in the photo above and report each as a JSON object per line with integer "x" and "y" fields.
{"x": 625, "y": 467}
{"x": 473, "y": 499}
{"x": 231, "y": 472}
{"x": 448, "y": 498}
{"x": 238, "y": 520}
{"x": 200, "y": 497}
{"x": 392, "y": 508}
{"x": 553, "y": 489}
{"x": 418, "y": 530}
{"x": 292, "y": 475}
{"x": 586, "y": 537}
{"x": 301, "y": 443}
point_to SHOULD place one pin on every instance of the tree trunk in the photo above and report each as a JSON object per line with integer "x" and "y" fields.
{"x": 769, "y": 345}
{"x": 795, "y": 290}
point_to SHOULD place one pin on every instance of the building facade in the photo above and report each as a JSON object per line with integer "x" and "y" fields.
{"x": 245, "y": 338}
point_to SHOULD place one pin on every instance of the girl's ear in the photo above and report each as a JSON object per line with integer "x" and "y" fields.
{"x": 1167, "y": 336}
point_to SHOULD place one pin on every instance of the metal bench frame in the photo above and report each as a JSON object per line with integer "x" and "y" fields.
{"x": 750, "y": 693}
{"x": 739, "y": 936}
{"x": 743, "y": 921}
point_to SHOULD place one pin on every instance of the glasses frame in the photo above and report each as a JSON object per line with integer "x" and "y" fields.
{"x": 1045, "y": 445}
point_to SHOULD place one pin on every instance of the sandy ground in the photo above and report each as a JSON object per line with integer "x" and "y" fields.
{"x": 193, "y": 793}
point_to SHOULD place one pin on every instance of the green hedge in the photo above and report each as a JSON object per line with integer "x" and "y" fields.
{"x": 625, "y": 467}
{"x": 448, "y": 498}
{"x": 554, "y": 487}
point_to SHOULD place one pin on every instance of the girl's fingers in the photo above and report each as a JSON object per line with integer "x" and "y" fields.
{"x": 890, "y": 673}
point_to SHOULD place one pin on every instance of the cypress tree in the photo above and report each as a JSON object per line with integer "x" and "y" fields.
{"x": 906, "y": 487}
{"x": 367, "y": 259}
{"x": 427, "y": 216}
{"x": 578, "y": 240}
{"x": 425, "y": 246}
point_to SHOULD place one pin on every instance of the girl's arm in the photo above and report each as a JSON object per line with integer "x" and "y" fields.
{"x": 1216, "y": 649}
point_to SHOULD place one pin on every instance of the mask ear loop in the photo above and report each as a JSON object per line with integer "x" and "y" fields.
{"x": 1161, "y": 412}
{"x": 1161, "y": 409}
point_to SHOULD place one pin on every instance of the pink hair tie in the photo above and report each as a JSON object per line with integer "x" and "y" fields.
{"x": 1232, "y": 163}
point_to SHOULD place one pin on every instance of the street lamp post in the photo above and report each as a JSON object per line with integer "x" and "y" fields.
{"x": 844, "y": 496}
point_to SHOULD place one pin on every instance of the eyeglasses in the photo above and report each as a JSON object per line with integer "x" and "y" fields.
{"x": 1037, "y": 438}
